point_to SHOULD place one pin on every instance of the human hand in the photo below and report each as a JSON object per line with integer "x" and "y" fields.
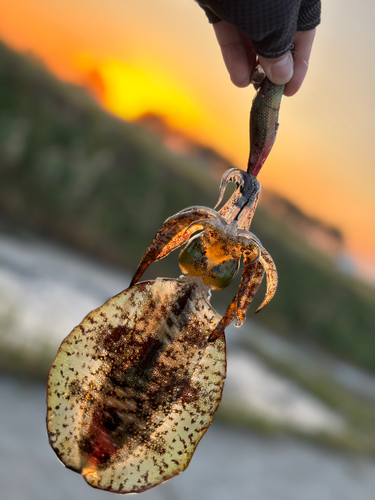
{"x": 248, "y": 30}
{"x": 240, "y": 58}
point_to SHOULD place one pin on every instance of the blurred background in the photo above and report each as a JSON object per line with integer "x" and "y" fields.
{"x": 116, "y": 115}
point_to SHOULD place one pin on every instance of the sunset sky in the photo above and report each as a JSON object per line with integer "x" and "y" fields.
{"x": 162, "y": 57}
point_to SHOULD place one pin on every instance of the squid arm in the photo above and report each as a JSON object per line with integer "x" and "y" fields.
{"x": 226, "y": 320}
{"x": 247, "y": 213}
{"x": 241, "y": 195}
{"x": 251, "y": 278}
{"x": 269, "y": 266}
{"x": 175, "y": 231}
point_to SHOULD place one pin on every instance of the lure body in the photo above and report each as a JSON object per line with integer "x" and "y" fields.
{"x": 264, "y": 124}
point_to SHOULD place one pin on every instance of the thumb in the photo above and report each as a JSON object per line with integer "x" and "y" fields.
{"x": 279, "y": 70}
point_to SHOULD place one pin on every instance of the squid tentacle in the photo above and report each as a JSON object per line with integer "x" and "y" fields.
{"x": 241, "y": 195}
{"x": 210, "y": 212}
{"x": 172, "y": 234}
{"x": 206, "y": 223}
{"x": 251, "y": 279}
{"x": 248, "y": 240}
{"x": 246, "y": 215}
{"x": 268, "y": 264}
{"x": 244, "y": 233}
{"x": 226, "y": 320}
{"x": 239, "y": 177}
{"x": 252, "y": 276}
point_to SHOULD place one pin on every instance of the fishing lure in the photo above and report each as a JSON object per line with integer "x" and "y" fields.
{"x": 135, "y": 386}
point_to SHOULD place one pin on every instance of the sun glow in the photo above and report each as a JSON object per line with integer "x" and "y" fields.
{"x": 141, "y": 87}
{"x": 131, "y": 92}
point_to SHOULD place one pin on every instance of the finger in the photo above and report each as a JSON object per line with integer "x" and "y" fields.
{"x": 278, "y": 70}
{"x": 235, "y": 53}
{"x": 303, "y": 42}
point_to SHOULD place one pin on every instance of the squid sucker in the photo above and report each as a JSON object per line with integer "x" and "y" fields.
{"x": 135, "y": 386}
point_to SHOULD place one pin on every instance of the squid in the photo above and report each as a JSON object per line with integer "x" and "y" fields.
{"x": 134, "y": 387}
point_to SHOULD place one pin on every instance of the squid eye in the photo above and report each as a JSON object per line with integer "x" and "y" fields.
{"x": 223, "y": 274}
{"x": 211, "y": 258}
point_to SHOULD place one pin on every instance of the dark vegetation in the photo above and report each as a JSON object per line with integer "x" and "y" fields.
{"x": 72, "y": 172}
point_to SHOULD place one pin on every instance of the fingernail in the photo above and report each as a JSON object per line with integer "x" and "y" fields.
{"x": 282, "y": 71}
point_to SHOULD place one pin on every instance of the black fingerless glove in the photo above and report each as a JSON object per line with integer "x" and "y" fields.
{"x": 270, "y": 24}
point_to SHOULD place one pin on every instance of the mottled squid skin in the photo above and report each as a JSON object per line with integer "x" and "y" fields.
{"x": 135, "y": 386}
{"x": 263, "y": 124}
